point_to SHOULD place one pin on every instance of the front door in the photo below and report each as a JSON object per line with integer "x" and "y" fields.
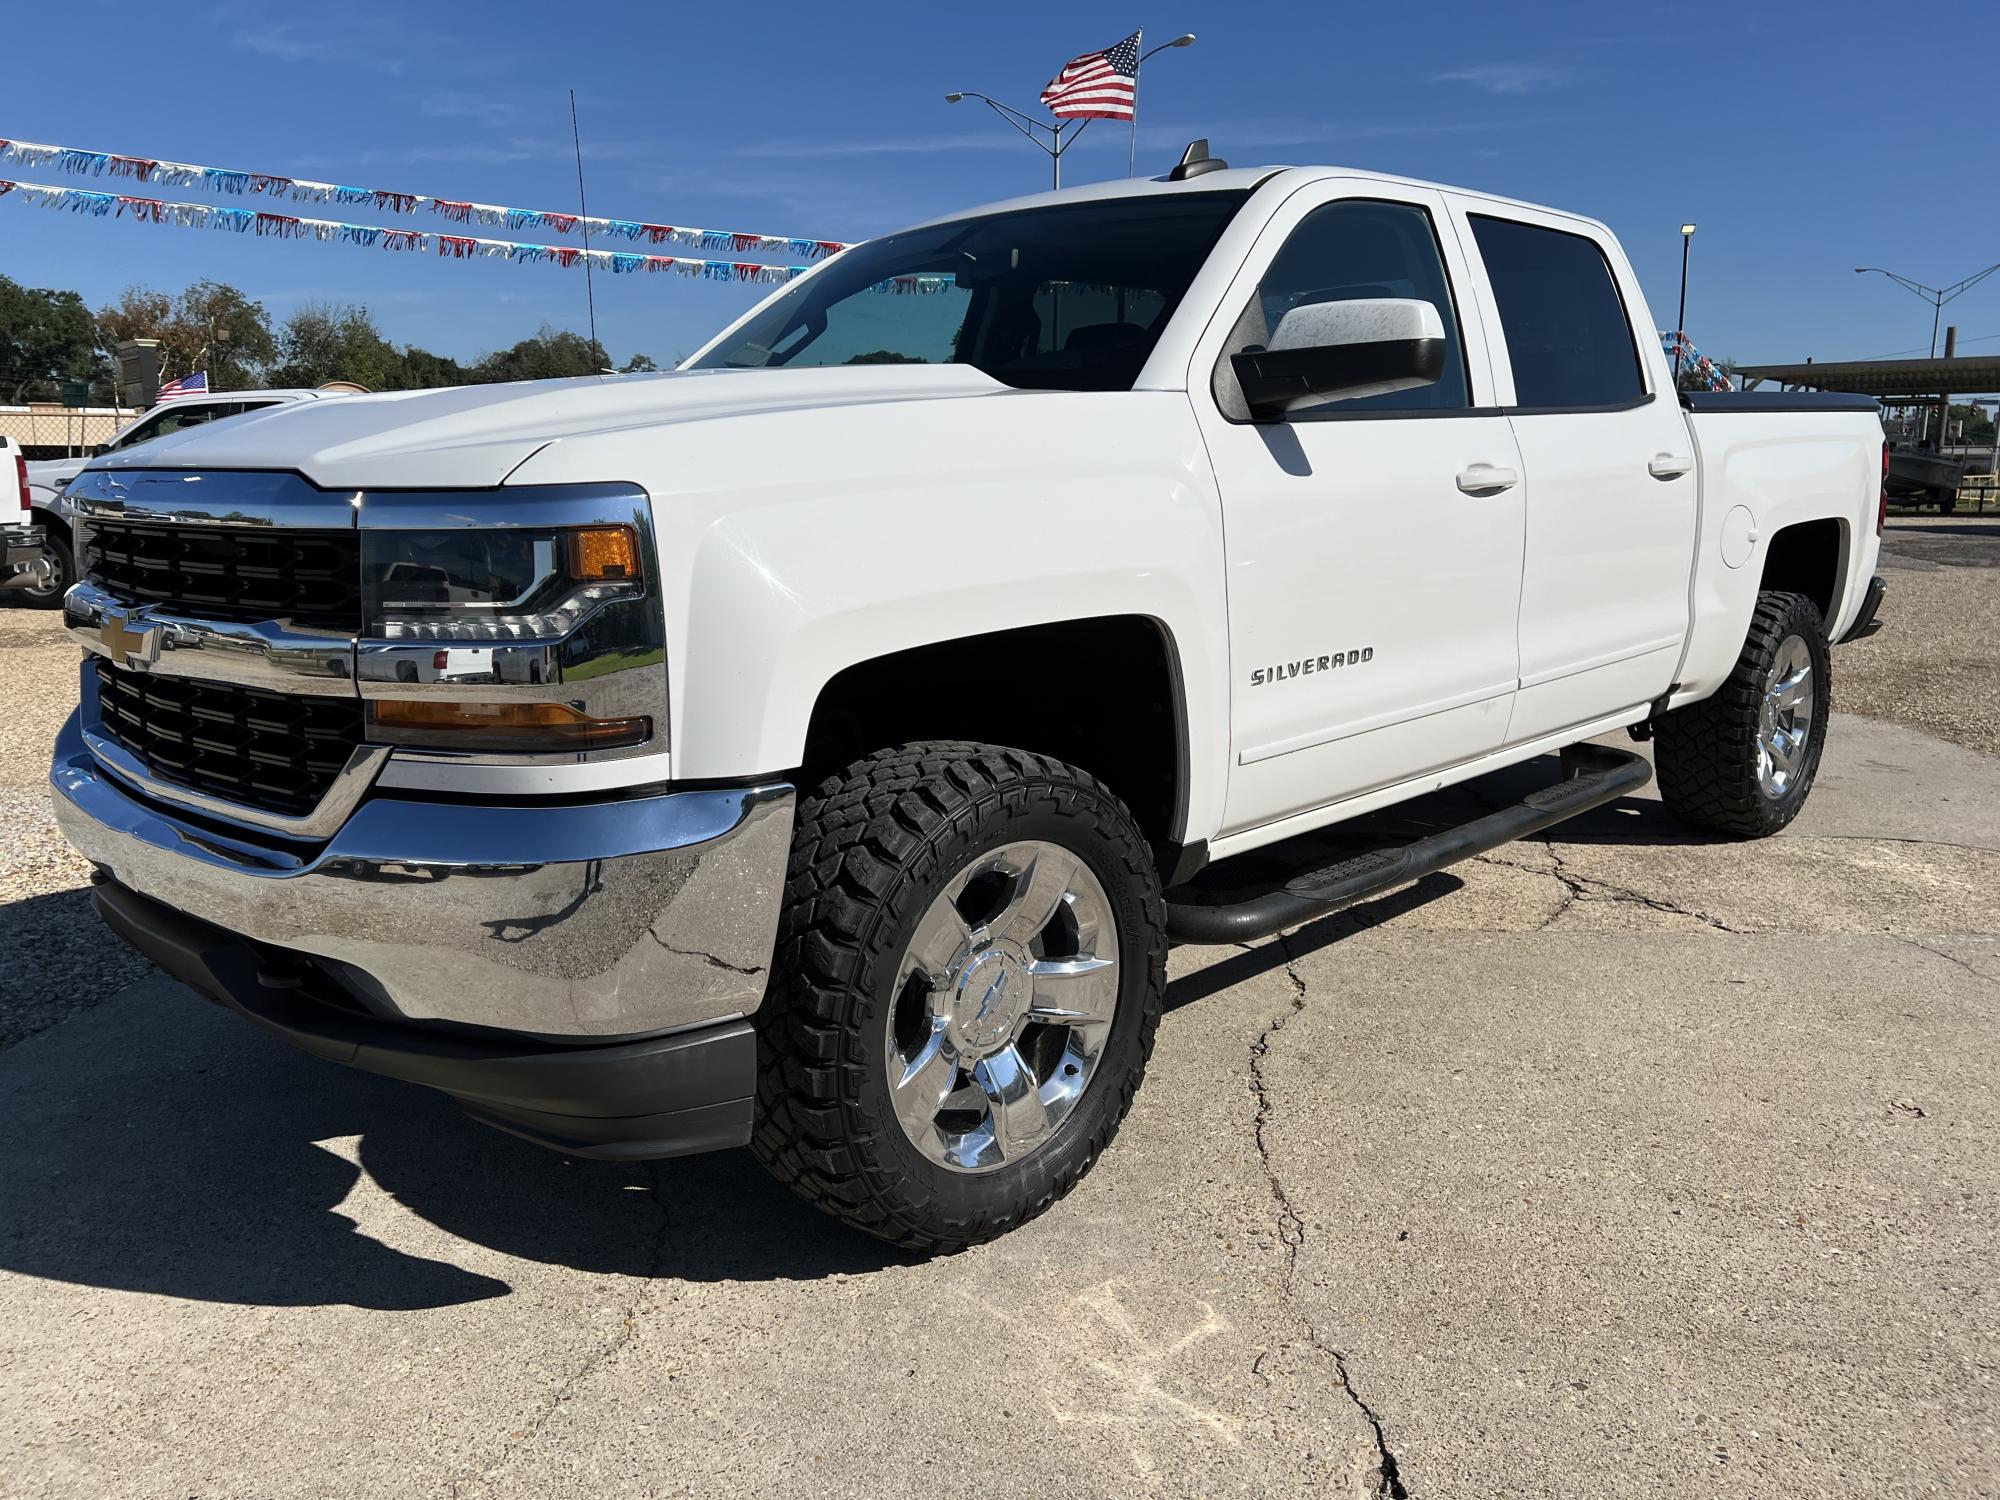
{"x": 1373, "y": 544}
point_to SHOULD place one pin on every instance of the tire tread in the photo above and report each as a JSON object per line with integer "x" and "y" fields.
{"x": 861, "y": 836}
{"x": 1705, "y": 754}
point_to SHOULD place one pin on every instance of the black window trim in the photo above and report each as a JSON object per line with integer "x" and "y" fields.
{"x": 1645, "y": 397}
{"x": 1318, "y": 414}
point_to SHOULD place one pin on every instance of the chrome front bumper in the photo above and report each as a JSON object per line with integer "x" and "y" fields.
{"x": 579, "y": 923}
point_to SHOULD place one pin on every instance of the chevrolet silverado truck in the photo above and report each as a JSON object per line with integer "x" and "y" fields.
{"x": 819, "y": 746}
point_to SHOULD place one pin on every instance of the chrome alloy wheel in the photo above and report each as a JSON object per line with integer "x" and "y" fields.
{"x": 1003, "y": 1006}
{"x": 1785, "y": 718}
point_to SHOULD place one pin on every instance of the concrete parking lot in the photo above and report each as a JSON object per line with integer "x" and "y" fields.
{"x": 1617, "y": 1163}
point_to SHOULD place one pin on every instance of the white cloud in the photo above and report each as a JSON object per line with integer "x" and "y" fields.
{"x": 492, "y": 113}
{"x": 1501, "y": 77}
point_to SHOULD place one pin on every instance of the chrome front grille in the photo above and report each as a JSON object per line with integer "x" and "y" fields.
{"x": 274, "y": 751}
{"x": 309, "y": 578}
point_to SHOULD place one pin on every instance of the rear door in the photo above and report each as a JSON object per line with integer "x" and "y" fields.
{"x": 1373, "y": 545}
{"x": 1608, "y": 466}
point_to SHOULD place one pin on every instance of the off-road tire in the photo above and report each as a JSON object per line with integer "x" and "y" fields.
{"x": 51, "y": 596}
{"x": 872, "y": 846}
{"x": 1706, "y": 753}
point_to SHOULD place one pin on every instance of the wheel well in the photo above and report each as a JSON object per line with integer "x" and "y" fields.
{"x": 1102, "y": 694}
{"x": 1806, "y": 559}
{"x": 52, "y": 522}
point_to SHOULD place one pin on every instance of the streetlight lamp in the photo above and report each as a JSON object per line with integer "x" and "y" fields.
{"x": 1936, "y": 296}
{"x": 1029, "y": 126}
{"x": 1185, "y": 39}
{"x": 1681, "y": 319}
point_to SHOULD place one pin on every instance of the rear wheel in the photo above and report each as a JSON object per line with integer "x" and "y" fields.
{"x": 1742, "y": 761}
{"x": 971, "y": 961}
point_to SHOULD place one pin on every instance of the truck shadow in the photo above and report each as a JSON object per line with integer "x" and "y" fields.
{"x": 158, "y": 1144}
{"x": 161, "y": 1145}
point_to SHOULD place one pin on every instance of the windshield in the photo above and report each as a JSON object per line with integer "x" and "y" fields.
{"x": 1069, "y": 298}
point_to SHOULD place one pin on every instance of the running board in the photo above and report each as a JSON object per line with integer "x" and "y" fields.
{"x": 1594, "y": 775}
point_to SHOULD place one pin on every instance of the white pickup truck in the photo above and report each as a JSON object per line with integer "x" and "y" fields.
{"x": 22, "y": 565}
{"x": 849, "y": 715}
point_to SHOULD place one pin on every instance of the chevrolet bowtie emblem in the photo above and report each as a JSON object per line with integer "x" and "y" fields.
{"x": 134, "y": 643}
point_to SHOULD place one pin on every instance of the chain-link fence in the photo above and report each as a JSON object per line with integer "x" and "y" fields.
{"x": 50, "y": 430}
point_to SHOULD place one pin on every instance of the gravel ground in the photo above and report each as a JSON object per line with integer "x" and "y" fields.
{"x": 1935, "y": 666}
{"x": 59, "y": 958}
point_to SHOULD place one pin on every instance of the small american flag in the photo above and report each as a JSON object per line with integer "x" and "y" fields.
{"x": 1098, "y": 85}
{"x": 187, "y": 385}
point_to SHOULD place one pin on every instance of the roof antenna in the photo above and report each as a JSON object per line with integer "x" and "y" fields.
{"x": 583, "y": 218}
{"x": 1196, "y": 162}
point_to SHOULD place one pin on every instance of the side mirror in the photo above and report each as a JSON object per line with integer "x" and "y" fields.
{"x": 1337, "y": 351}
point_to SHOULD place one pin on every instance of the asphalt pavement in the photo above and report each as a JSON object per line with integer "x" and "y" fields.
{"x": 1622, "y": 1163}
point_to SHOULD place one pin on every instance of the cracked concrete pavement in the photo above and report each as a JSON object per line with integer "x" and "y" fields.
{"x": 1620, "y": 1162}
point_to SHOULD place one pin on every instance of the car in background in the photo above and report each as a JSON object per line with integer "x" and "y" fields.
{"x": 21, "y": 562}
{"x": 47, "y": 478}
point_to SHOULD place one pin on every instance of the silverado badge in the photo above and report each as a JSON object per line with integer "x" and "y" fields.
{"x": 1281, "y": 671}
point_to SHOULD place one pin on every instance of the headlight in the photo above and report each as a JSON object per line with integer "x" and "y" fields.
{"x": 494, "y": 585}
{"x": 503, "y": 641}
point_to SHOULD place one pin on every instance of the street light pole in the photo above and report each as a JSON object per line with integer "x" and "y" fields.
{"x": 1132, "y": 155}
{"x": 1028, "y": 126}
{"x": 1681, "y": 318}
{"x": 1937, "y": 296}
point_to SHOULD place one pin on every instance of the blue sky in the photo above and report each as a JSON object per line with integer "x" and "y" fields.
{"x": 1775, "y": 127}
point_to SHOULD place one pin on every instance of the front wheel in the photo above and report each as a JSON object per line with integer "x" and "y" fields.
{"x": 970, "y": 968}
{"x": 1742, "y": 761}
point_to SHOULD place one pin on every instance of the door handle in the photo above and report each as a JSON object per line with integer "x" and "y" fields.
{"x": 1485, "y": 479}
{"x": 1669, "y": 465}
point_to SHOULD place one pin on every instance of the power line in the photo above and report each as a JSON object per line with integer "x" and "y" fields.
{"x": 1983, "y": 338}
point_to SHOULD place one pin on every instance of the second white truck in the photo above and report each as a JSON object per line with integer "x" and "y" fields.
{"x": 818, "y": 747}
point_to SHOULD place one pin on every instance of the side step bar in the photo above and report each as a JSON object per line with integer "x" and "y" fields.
{"x": 1594, "y": 775}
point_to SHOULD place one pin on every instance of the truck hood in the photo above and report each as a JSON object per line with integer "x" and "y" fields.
{"x": 473, "y": 437}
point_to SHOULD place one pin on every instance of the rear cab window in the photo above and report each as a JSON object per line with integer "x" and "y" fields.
{"x": 1569, "y": 338}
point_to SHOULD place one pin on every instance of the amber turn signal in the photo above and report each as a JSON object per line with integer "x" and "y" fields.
{"x": 601, "y": 553}
{"x": 522, "y": 727}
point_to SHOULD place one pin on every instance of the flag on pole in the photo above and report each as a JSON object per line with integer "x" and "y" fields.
{"x": 187, "y": 385}
{"x": 1097, "y": 85}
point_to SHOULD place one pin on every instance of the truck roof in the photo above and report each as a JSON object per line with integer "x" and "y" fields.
{"x": 1240, "y": 179}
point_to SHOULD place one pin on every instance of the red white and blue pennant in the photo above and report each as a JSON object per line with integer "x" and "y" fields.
{"x": 453, "y": 246}
{"x": 153, "y": 171}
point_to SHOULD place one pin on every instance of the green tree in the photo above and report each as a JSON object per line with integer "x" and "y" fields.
{"x": 322, "y": 342}
{"x": 46, "y": 337}
{"x": 422, "y": 371}
{"x": 549, "y": 355}
{"x": 1975, "y": 424}
{"x": 209, "y": 326}
{"x": 640, "y": 364}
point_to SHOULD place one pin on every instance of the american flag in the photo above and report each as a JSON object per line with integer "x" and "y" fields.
{"x": 1098, "y": 85}
{"x": 187, "y": 385}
